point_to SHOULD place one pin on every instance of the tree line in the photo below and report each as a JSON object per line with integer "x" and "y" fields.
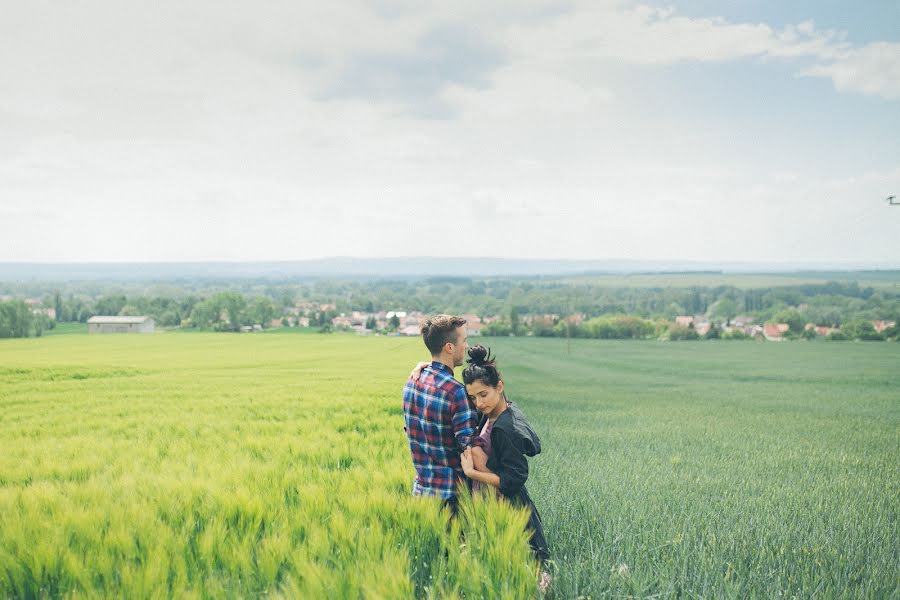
{"x": 539, "y": 304}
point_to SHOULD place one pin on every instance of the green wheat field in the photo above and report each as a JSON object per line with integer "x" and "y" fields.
{"x": 219, "y": 465}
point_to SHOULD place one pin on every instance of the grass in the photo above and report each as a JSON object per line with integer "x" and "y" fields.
{"x": 242, "y": 465}
{"x": 715, "y": 469}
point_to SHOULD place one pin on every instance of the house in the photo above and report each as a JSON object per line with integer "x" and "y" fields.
{"x": 473, "y": 324}
{"x": 742, "y": 321}
{"x": 819, "y": 329}
{"x": 702, "y": 328}
{"x": 50, "y": 312}
{"x": 576, "y": 319}
{"x": 105, "y": 324}
{"x": 882, "y": 325}
{"x": 342, "y": 321}
{"x": 684, "y": 320}
{"x": 774, "y": 331}
{"x": 411, "y": 330}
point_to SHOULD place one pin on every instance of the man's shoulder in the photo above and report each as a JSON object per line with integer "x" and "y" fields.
{"x": 440, "y": 380}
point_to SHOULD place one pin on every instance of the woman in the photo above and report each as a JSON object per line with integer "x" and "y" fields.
{"x": 510, "y": 438}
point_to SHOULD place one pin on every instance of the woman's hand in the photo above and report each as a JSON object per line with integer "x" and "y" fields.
{"x": 468, "y": 465}
{"x": 479, "y": 458}
{"x": 418, "y": 370}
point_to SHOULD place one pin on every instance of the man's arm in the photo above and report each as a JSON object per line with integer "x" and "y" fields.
{"x": 464, "y": 420}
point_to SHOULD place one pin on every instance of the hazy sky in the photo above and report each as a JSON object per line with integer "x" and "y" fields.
{"x": 745, "y": 130}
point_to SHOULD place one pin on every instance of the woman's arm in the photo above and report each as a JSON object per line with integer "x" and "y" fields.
{"x": 484, "y": 476}
{"x": 479, "y": 458}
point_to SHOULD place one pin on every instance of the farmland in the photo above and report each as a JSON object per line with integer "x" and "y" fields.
{"x": 228, "y": 465}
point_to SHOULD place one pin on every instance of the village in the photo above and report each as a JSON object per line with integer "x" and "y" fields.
{"x": 326, "y": 317}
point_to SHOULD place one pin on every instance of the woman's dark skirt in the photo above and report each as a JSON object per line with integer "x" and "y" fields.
{"x": 537, "y": 541}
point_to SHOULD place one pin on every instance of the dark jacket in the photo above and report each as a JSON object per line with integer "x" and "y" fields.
{"x": 512, "y": 439}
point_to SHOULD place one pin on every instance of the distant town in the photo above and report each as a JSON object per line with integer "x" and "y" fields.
{"x": 326, "y": 318}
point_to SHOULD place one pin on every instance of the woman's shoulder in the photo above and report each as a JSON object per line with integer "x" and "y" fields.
{"x": 513, "y": 423}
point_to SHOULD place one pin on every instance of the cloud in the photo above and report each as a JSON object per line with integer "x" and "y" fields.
{"x": 306, "y": 129}
{"x": 650, "y": 36}
{"x": 873, "y": 70}
{"x": 443, "y": 56}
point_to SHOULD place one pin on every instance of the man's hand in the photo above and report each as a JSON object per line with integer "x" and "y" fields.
{"x": 466, "y": 459}
{"x": 418, "y": 370}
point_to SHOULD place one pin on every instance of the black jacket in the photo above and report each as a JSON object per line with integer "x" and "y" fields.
{"x": 512, "y": 439}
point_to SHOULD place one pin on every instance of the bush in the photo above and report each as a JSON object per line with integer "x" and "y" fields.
{"x": 619, "y": 328}
{"x": 679, "y": 333}
{"x": 734, "y": 334}
{"x": 861, "y": 330}
{"x": 837, "y": 336}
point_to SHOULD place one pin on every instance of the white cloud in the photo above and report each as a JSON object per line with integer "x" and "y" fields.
{"x": 303, "y": 130}
{"x": 873, "y": 70}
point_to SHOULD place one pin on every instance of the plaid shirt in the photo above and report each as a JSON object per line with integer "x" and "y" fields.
{"x": 440, "y": 424}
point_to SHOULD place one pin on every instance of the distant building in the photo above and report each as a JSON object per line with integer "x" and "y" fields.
{"x": 473, "y": 324}
{"x": 121, "y": 325}
{"x": 411, "y": 330}
{"x": 684, "y": 320}
{"x": 882, "y": 325}
{"x": 773, "y": 331}
{"x": 742, "y": 321}
{"x": 703, "y": 328}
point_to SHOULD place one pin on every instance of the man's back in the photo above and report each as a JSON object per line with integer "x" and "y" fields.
{"x": 440, "y": 423}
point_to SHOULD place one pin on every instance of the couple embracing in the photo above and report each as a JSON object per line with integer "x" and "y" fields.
{"x": 468, "y": 434}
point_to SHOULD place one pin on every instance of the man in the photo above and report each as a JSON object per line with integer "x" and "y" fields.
{"x": 441, "y": 423}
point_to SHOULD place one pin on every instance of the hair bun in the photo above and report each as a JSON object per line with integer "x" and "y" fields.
{"x": 480, "y": 356}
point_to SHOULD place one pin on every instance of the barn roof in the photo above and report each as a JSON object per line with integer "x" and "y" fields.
{"x": 118, "y": 320}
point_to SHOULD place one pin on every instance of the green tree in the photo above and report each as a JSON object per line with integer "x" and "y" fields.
{"x": 726, "y": 309}
{"x": 16, "y": 319}
{"x": 204, "y": 314}
{"x": 58, "y": 305}
{"x": 394, "y": 323}
{"x": 793, "y": 318}
{"x": 861, "y": 330}
{"x": 110, "y": 305}
{"x": 262, "y": 311}
{"x": 233, "y": 304}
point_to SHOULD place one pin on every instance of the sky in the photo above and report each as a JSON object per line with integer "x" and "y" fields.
{"x": 738, "y": 131}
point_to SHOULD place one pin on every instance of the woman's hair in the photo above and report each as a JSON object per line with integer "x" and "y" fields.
{"x": 482, "y": 367}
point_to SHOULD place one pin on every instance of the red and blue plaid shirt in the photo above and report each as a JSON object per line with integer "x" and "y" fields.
{"x": 440, "y": 424}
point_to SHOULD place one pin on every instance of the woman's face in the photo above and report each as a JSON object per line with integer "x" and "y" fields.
{"x": 486, "y": 398}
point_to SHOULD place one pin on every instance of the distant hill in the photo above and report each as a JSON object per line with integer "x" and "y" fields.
{"x": 402, "y": 268}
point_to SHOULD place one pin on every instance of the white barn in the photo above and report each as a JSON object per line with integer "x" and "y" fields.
{"x": 121, "y": 325}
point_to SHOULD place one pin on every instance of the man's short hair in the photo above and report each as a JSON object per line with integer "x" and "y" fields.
{"x": 440, "y": 329}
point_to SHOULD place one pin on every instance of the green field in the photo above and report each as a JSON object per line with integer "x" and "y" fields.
{"x": 241, "y": 465}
